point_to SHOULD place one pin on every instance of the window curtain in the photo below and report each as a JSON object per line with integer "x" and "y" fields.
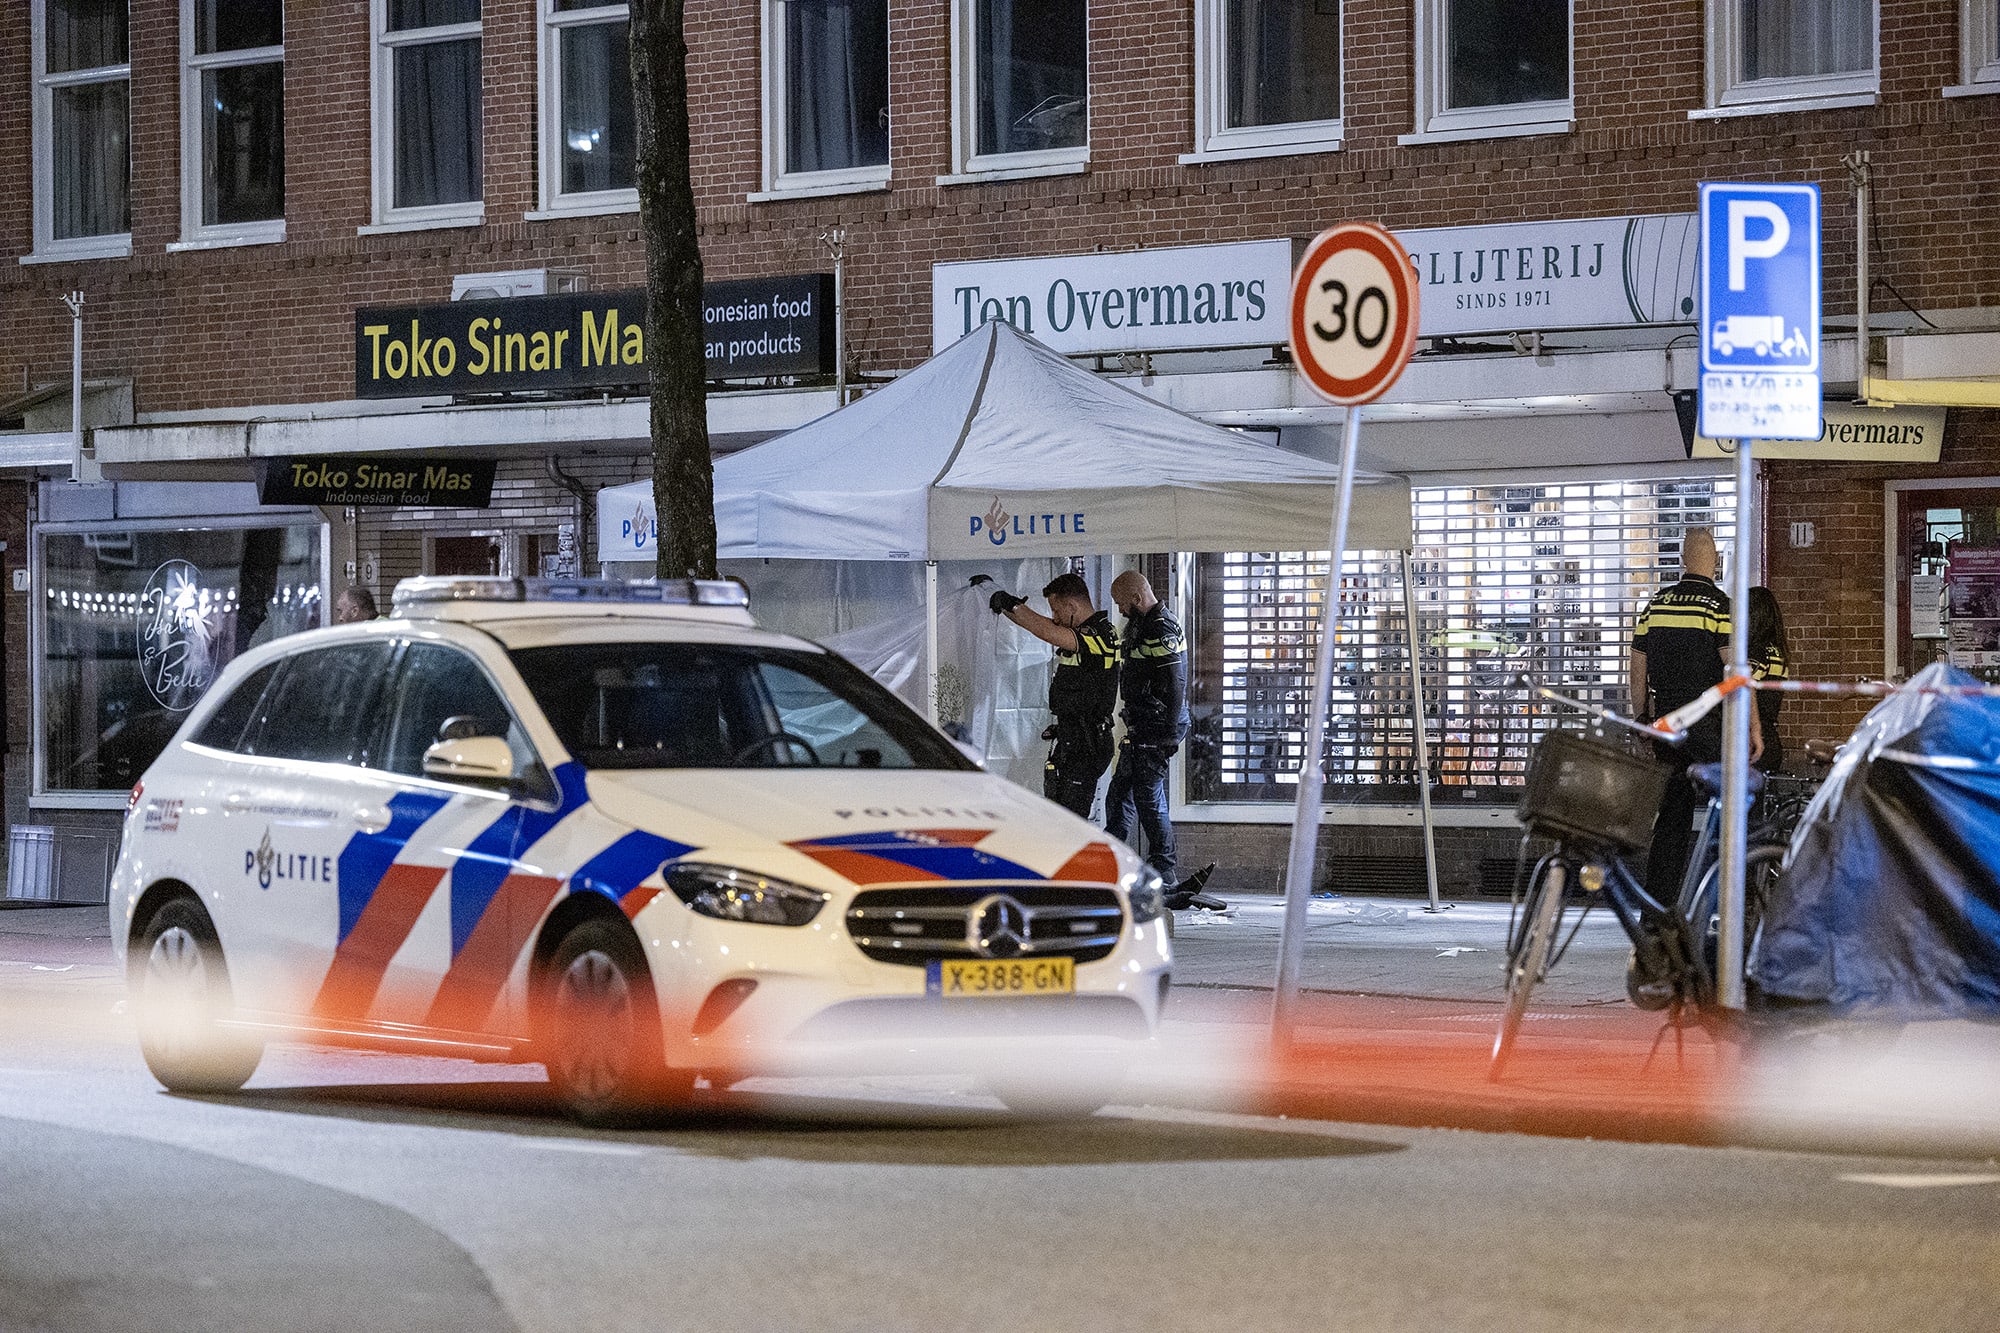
{"x": 1790, "y": 39}
{"x": 600, "y": 141}
{"x": 1284, "y": 61}
{"x": 437, "y": 123}
{"x": 85, "y": 34}
{"x": 91, "y": 161}
{"x": 836, "y": 84}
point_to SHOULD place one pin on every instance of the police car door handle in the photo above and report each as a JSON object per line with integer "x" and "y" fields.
{"x": 371, "y": 818}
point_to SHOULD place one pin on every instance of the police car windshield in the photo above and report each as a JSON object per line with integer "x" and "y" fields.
{"x": 706, "y": 705}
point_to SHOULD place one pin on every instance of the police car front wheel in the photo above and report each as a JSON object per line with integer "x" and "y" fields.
{"x": 182, "y": 1004}
{"x": 603, "y": 1035}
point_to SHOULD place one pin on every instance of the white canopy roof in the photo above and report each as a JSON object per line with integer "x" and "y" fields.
{"x": 998, "y": 445}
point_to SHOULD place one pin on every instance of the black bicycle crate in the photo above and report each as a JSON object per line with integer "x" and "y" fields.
{"x": 1582, "y": 787}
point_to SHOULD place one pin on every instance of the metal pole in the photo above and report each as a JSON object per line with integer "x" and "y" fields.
{"x": 1736, "y": 749}
{"x": 835, "y": 240}
{"x": 1421, "y": 724}
{"x": 1857, "y": 170}
{"x": 1312, "y": 776}
{"x": 930, "y": 641}
{"x": 75, "y": 303}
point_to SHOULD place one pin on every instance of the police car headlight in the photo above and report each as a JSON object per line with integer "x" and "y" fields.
{"x": 1147, "y": 893}
{"x": 729, "y": 894}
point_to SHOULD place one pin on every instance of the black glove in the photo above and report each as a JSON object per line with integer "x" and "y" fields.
{"x": 978, "y": 579}
{"x": 1003, "y": 601}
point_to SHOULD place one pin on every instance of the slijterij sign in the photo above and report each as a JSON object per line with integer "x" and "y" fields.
{"x": 1508, "y": 278}
{"x": 755, "y": 328}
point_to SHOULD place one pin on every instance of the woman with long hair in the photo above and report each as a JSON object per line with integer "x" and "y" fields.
{"x": 1767, "y": 662}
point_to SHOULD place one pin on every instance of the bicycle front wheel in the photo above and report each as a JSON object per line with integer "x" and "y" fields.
{"x": 1762, "y": 865}
{"x": 1529, "y": 958}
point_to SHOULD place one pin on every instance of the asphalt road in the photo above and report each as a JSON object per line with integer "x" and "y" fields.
{"x": 347, "y": 1191}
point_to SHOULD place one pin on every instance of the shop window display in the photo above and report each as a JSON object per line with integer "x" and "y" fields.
{"x": 137, "y": 623}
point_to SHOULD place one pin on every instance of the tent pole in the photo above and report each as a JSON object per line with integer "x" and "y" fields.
{"x": 1312, "y": 764}
{"x": 930, "y": 641}
{"x": 1421, "y": 725}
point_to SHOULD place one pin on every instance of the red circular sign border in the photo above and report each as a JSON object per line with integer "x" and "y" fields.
{"x": 1363, "y": 236}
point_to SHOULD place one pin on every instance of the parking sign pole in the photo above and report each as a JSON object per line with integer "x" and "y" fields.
{"x": 1736, "y": 753}
{"x": 1312, "y": 769}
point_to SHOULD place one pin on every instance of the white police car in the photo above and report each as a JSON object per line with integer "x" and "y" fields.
{"x": 618, "y": 829}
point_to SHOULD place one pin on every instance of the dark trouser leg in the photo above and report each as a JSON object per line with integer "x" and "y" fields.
{"x": 1077, "y": 759}
{"x": 1066, "y": 792}
{"x": 1120, "y": 809}
{"x": 1666, "y": 861}
{"x": 1148, "y": 777}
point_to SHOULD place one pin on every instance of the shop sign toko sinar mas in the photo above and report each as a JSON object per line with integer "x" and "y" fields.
{"x": 753, "y": 328}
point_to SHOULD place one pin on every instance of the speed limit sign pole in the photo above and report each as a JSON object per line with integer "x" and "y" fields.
{"x": 1353, "y": 327}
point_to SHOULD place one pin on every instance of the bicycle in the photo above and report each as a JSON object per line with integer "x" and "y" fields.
{"x": 1597, "y": 800}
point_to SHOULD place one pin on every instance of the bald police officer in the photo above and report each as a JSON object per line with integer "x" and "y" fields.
{"x": 1678, "y": 651}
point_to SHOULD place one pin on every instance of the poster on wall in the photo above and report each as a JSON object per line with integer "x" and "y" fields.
{"x": 1972, "y": 585}
{"x": 1927, "y": 606}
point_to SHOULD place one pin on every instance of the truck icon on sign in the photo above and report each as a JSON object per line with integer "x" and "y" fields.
{"x": 1761, "y": 333}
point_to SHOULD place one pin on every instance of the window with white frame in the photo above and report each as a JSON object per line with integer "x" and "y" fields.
{"x": 826, "y": 93}
{"x": 1545, "y": 580}
{"x": 81, "y": 126}
{"x": 589, "y": 138}
{"x": 1801, "y": 52}
{"x": 232, "y": 120}
{"x": 427, "y": 112}
{"x": 1023, "y": 85}
{"x": 1492, "y": 67}
{"x": 1979, "y": 37}
{"x": 1267, "y": 77}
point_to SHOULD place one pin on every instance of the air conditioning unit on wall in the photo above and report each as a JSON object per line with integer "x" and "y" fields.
{"x": 518, "y": 282}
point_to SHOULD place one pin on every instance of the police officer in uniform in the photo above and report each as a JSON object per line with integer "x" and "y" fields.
{"x": 1083, "y": 691}
{"x": 1153, "y": 683}
{"x": 1678, "y": 651}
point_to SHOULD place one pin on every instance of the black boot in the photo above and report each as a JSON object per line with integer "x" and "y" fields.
{"x": 1188, "y": 893}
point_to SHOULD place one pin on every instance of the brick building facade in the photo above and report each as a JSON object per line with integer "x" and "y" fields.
{"x": 210, "y": 335}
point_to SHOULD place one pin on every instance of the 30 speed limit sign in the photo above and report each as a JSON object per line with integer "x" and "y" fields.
{"x": 1354, "y": 313}
{"x": 1354, "y": 325}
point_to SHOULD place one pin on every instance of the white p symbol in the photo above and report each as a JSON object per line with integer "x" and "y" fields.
{"x": 1742, "y": 248}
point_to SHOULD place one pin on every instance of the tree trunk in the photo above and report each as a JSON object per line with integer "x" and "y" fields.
{"x": 683, "y": 477}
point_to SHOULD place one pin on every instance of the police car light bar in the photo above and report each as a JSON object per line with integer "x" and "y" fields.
{"x": 669, "y": 592}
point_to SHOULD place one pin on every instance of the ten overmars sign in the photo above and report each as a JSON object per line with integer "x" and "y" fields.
{"x": 755, "y": 328}
{"x": 387, "y": 479}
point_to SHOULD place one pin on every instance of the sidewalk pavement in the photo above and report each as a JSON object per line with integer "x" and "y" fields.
{"x": 1357, "y": 945}
{"x": 1354, "y": 946}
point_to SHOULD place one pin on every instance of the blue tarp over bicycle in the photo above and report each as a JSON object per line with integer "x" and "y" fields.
{"x": 1890, "y": 899}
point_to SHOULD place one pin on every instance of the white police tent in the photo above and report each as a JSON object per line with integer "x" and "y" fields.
{"x": 998, "y": 456}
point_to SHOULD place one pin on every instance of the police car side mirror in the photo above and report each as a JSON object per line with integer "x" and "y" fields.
{"x": 480, "y": 759}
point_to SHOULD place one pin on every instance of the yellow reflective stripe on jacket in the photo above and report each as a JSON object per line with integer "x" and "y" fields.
{"x": 1103, "y": 653}
{"x": 1674, "y": 617}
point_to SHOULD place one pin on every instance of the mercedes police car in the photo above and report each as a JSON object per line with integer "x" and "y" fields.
{"x": 618, "y": 829}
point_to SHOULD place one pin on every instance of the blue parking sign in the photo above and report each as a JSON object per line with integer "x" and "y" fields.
{"x": 1759, "y": 313}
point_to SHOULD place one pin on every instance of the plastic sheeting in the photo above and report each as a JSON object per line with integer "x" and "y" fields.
{"x": 993, "y": 678}
{"x": 1890, "y": 900}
